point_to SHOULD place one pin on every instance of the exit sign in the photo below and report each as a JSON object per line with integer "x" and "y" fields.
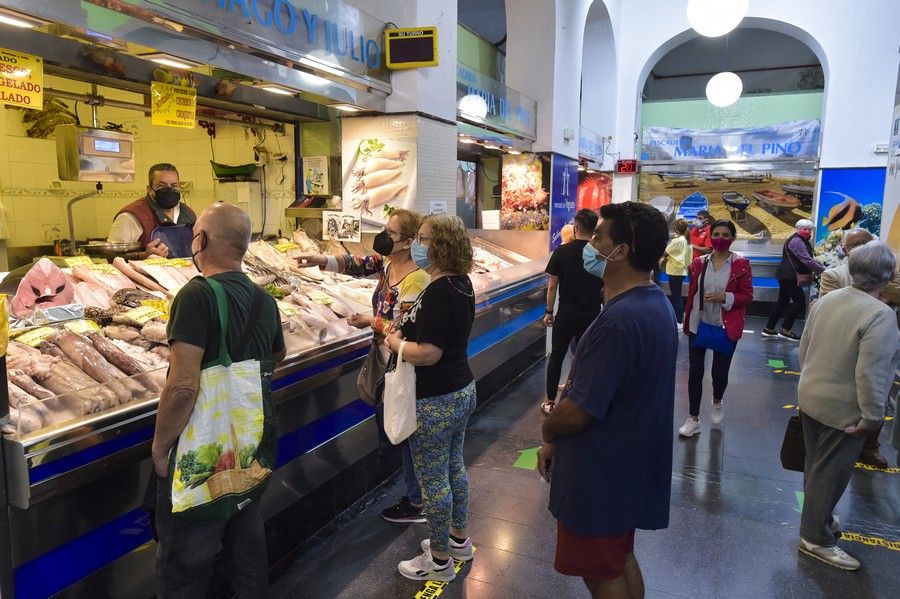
{"x": 626, "y": 167}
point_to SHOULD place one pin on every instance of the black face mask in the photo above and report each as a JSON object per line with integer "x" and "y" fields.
{"x": 167, "y": 197}
{"x": 383, "y": 244}
{"x": 203, "y": 242}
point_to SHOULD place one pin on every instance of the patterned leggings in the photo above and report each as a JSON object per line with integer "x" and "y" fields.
{"x": 437, "y": 452}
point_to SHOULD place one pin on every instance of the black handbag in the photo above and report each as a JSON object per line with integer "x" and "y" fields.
{"x": 371, "y": 375}
{"x": 793, "y": 450}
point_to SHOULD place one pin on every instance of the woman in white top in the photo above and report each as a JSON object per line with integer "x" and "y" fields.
{"x": 848, "y": 353}
{"x": 677, "y": 258}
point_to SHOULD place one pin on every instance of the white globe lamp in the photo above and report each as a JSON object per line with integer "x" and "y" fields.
{"x": 473, "y": 105}
{"x": 713, "y": 18}
{"x": 724, "y": 89}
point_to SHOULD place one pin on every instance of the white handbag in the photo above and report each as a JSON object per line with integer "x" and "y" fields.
{"x": 400, "y": 400}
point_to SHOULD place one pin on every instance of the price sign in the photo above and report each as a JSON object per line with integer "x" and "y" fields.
{"x": 82, "y": 326}
{"x": 144, "y": 314}
{"x": 173, "y": 105}
{"x": 34, "y": 337}
{"x": 78, "y": 261}
{"x": 286, "y": 246}
{"x": 21, "y": 80}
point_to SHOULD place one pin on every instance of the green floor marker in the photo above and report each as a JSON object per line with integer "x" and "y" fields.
{"x": 776, "y": 363}
{"x": 799, "y": 496}
{"x": 528, "y": 459}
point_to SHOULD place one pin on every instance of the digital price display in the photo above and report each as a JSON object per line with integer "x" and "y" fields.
{"x": 411, "y": 47}
{"x": 107, "y": 145}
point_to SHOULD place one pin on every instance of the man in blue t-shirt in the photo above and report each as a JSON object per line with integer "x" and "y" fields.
{"x": 608, "y": 442}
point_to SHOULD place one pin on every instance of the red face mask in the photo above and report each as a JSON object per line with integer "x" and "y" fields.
{"x": 721, "y": 244}
{"x": 805, "y": 233}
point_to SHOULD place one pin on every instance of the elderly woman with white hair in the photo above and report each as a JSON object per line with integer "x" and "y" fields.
{"x": 848, "y": 353}
{"x": 796, "y": 271}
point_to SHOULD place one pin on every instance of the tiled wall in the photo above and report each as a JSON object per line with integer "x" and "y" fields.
{"x": 28, "y": 170}
{"x": 436, "y": 164}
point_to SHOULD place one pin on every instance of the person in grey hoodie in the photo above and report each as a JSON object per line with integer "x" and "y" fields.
{"x": 848, "y": 353}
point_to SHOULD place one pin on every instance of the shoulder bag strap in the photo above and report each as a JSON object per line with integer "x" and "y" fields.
{"x": 222, "y": 305}
{"x": 703, "y": 281}
{"x": 255, "y": 307}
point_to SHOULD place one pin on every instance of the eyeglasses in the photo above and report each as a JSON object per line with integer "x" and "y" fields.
{"x": 175, "y": 186}
{"x": 422, "y": 240}
{"x": 393, "y": 233}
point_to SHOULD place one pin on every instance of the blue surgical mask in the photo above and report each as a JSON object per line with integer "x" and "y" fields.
{"x": 419, "y": 255}
{"x": 594, "y": 261}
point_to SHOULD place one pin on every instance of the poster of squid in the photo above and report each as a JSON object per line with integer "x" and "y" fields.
{"x": 379, "y": 163}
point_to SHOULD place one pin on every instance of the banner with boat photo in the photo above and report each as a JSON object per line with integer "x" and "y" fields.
{"x": 761, "y": 178}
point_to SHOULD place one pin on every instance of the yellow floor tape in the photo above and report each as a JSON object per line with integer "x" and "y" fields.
{"x": 873, "y": 541}
{"x": 433, "y": 588}
{"x": 877, "y": 468}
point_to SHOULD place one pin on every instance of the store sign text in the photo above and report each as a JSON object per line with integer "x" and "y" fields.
{"x": 21, "y": 80}
{"x": 501, "y": 105}
{"x": 319, "y": 32}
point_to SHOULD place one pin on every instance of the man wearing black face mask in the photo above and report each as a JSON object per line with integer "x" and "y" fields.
{"x": 159, "y": 221}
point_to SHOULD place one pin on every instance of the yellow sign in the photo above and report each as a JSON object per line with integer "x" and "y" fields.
{"x": 411, "y": 47}
{"x": 34, "y": 337}
{"x": 173, "y": 105}
{"x": 106, "y": 269}
{"x": 286, "y": 246}
{"x": 82, "y": 326}
{"x": 287, "y": 309}
{"x": 4, "y": 326}
{"x": 143, "y": 314}
{"x": 78, "y": 261}
{"x": 179, "y": 263}
{"x": 161, "y": 305}
{"x": 21, "y": 79}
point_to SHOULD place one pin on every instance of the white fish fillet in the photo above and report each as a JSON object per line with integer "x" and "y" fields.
{"x": 109, "y": 282}
{"x": 160, "y": 274}
{"x": 90, "y": 294}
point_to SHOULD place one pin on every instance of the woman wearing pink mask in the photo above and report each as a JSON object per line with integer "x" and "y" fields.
{"x": 721, "y": 287}
{"x": 795, "y": 271}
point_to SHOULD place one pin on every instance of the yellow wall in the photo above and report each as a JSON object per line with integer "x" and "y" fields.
{"x": 28, "y": 168}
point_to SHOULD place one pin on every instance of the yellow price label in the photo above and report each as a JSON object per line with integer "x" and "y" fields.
{"x": 287, "y": 309}
{"x": 180, "y": 263}
{"x": 173, "y": 105}
{"x": 34, "y": 337}
{"x": 156, "y": 261}
{"x": 160, "y": 305}
{"x": 78, "y": 261}
{"x": 144, "y": 314}
{"x": 82, "y": 326}
{"x": 285, "y": 246}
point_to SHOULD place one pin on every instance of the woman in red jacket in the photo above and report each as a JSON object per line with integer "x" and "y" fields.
{"x": 721, "y": 287}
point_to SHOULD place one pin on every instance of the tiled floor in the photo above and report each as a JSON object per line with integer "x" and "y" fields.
{"x": 734, "y": 519}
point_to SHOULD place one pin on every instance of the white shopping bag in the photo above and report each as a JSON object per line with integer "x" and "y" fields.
{"x": 400, "y": 400}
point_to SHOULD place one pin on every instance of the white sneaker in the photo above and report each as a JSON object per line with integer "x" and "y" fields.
{"x": 835, "y": 525}
{"x": 831, "y": 555}
{"x": 691, "y": 427}
{"x": 718, "y": 412}
{"x": 422, "y": 567}
{"x": 461, "y": 553}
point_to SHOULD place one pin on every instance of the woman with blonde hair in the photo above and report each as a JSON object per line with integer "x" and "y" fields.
{"x": 678, "y": 258}
{"x": 435, "y": 334}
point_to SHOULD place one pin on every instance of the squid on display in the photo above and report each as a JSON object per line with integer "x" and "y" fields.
{"x": 376, "y": 179}
{"x": 390, "y": 154}
{"x": 378, "y": 196}
{"x": 377, "y": 164}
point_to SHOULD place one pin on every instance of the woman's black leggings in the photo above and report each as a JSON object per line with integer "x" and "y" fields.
{"x": 720, "y": 366}
{"x": 788, "y": 293}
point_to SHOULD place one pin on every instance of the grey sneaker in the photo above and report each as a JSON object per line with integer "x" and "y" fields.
{"x": 718, "y": 413}
{"x": 831, "y": 555}
{"x": 690, "y": 428}
{"x": 461, "y": 553}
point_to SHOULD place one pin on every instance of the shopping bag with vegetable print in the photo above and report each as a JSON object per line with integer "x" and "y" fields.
{"x": 226, "y": 452}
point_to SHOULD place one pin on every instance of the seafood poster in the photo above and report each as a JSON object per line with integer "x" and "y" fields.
{"x": 315, "y": 175}
{"x": 341, "y": 226}
{"x": 525, "y": 203}
{"x": 173, "y": 105}
{"x": 849, "y": 198}
{"x": 764, "y": 204}
{"x": 379, "y": 162}
{"x": 594, "y": 190}
{"x": 21, "y": 80}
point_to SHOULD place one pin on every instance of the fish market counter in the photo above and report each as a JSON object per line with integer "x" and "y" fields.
{"x": 74, "y": 525}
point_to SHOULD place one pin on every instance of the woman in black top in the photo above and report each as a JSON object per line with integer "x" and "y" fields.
{"x": 435, "y": 332}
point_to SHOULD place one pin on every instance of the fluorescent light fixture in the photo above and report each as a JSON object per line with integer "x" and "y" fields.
{"x": 491, "y": 147}
{"x": 313, "y": 80}
{"x": 581, "y": 167}
{"x": 590, "y": 171}
{"x": 16, "y": 19}
{"x": 277, "y": 89}
{"x": 171, "y": 61}
{"x": 466, "y": 140}
{"x": 347, "y": 108}
{"x": 514, "y": 152}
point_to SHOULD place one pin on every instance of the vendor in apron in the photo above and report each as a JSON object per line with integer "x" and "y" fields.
{"x": 159, "y": 221}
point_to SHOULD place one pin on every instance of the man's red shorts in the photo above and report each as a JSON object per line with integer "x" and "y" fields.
{"x": 594, "y": 558}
